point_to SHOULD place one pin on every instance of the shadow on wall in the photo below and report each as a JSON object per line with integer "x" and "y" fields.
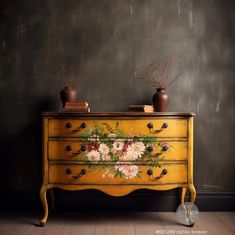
{"x": 21, "y": 154}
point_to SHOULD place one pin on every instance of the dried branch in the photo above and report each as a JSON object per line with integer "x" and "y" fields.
{"x": 157, "y": 75}
{"x": 70, "y": 74}
{"x": 173, "y": 80}
{"x": 168, "y": 66}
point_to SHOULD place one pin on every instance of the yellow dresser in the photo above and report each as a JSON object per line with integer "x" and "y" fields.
{"x": 117, "y": 153}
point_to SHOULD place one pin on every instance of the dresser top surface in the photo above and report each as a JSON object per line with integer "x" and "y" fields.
{"x": 116, "y": 114}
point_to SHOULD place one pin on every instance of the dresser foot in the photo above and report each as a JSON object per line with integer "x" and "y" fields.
{"x": 192, "y": 191}
{"x": 43, "y": 197}
{"x": 183, "y": 192}
{"x": 42, "y": 223}
{"x": 52, "y": 197}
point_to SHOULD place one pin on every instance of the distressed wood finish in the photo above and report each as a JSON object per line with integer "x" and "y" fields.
{"x": 71, "y": 168}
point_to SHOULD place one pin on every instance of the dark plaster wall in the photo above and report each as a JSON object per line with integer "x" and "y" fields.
{"x": 117, "y": 36}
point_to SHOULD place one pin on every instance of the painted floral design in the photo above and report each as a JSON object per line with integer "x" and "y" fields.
{"x": 128, "y": 171}
{"x": 110, "y": 144}
{"x": 93, "y": 155}
{"x": 118, "y": 145}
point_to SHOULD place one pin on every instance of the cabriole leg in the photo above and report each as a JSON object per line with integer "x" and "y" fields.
{"x": 43, "y": 197}
{"x": 192, "y": 191}
{"x": 183, "y": 192}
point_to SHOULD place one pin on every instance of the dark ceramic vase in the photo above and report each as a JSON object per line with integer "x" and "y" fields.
{"x": 68, "y": 94}
{"x": 160, "y": 100}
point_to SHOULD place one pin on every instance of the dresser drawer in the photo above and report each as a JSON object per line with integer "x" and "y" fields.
{"x": 159, "y": 127}
{"x": 67, "y": 150}
{"x": 81, "y": 151}
{"x": 118, "y": 174}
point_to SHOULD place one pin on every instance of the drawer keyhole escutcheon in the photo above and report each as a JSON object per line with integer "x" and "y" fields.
{"x": 82, "y": 149}
{"x": 150, "y": 173}
{"x": 151, "y": 127}
{"x": 80, "y": 174}
{"x": 68, "y": 125}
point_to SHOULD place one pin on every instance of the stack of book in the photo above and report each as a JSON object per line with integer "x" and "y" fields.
{"x": 77, "y": 106}
{"x": 141, "y": 108}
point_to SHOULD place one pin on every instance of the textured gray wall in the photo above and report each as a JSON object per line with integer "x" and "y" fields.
{"x": 118, "y": 36}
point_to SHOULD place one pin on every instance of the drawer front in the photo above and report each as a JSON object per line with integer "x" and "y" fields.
{"x": 118, "y": 174}
{"x": 116, "y": 151}
{"x": 158, "y": 127}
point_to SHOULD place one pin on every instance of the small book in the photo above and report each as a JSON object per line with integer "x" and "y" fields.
{"x": 76, "y": 105}
{"x": 82, "y": 110}
{"x": 141, "y": 108}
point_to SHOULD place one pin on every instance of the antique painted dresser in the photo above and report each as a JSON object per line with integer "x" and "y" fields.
{"x": 117, "y": 153}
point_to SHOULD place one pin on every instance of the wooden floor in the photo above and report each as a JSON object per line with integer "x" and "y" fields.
{"x": 141, "y": 223}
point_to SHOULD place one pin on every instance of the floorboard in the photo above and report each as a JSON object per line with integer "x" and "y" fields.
{"x": 141, "y": 223}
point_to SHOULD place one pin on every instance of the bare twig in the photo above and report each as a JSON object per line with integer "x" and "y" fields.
{"x": 173, "y": 80}
{"x": 70, "y": 75}
{"x": 156, "y": 75}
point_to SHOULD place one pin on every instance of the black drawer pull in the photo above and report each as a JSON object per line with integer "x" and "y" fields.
{"x": 165, "y": 148}
{"x": 151, "y": 127}
{"x": 68, "y": 125}
{"x": 150, "y": 173}
{"x": 150, "y": 148}
{"x": 68, "y": 171}
{"x": 68, "y": 148}
{"x": 82, "y": 149}
{"x": 80, "y": 174}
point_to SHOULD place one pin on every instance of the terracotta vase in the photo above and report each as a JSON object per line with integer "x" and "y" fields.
{"x": 160, "y": 100}
{"x": 68, "y": 94}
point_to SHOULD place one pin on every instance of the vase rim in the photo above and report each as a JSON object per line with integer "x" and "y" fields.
{"x": 159, "y": 89}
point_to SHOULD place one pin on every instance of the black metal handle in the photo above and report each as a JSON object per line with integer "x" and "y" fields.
{"x": 80, "y": 174}
{"x": 82, "y": 149}
{"x": 83, "y": 125}
{"x": 150, "y": 148}
{"x": 68, "y": 125}
{"x": 150, "y": 126}
{"x": 68, "y": 171}
{"x": 68, "y": 148}
{"x": 165, "y": 148}
{"x": 164, "y": 125}
{"x": 150, "y": 172}
{"x": 83, "y": 171}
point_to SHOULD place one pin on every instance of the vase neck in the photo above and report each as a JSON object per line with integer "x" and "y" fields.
{"x": 161, "y": 89}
